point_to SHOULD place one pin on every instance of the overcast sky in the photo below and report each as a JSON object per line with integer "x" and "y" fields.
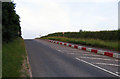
{"x": 41, "y": 17}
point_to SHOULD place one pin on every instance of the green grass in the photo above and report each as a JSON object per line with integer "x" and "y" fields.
{"x": 13, "y": 54}
{"x": 90, "y": 42}
{"x": 0, "y": 61}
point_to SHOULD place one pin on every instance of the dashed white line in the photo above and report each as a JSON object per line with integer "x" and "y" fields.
{"x": 98, "y": 67}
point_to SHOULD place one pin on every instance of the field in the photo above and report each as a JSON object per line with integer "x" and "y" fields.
{"x": 13, "y": 57}
{"x": 102, "y": 39}
{"x": 89, "y": 42}
{"x": 112, "y": 35}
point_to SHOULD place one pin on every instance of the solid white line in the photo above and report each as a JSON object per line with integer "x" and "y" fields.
{"x": 107, "y": 64}
{"x": 98, "y": 67}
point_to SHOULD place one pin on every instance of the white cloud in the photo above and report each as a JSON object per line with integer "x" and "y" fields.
{"x": 57, "y": 1}
{"x": 49, "y": 17}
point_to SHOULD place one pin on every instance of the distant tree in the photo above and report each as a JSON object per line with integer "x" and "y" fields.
{"x": 80, "y": 30}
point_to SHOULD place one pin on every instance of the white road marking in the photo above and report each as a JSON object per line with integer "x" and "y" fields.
{"x": 70, "y": 53}
{"x": 79, "y": 52}
{"x": 98, "y": 58}
{"x": 59, "y": 50}
{"x": 107, "y": 64}
{"x": 98, "y": 67}
{"x": 117, "y": 72}
{"x": 73, "y": 49}
{"x": 62, "y": 50}
{"x": 91, "y": 55}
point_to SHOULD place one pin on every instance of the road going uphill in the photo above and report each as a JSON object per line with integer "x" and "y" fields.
{"x": 52, "y": 60}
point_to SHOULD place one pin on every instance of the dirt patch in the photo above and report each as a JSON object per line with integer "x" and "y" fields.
{"x": 26, "y": 69}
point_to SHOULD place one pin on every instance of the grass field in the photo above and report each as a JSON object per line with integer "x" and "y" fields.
{"x": 90, "y": 42}
{"x": 108, "y": 35}
{"x": 13, "y": 55}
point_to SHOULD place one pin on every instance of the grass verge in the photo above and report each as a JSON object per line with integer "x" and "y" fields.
{"x": 90, "y": 42}
{"x": 13, "y": 59}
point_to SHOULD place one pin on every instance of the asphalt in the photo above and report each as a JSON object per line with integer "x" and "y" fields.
{"x": 46, "y": 61}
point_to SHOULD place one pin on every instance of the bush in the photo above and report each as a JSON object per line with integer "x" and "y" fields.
{"x": 102, "y": 35}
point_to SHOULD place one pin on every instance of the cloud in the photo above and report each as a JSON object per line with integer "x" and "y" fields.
{"x": 47, "y": 16}
{"x": 81, "y": 1}
{"x": 41, "y": 17}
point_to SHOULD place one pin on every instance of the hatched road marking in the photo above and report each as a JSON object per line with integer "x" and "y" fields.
{"x": 92, "y": 55}
{"x": 70, "y": 53}
{"x": 98, "y": 67}
{"x": 107, "y": 64}
{"x": 97, "y": 58}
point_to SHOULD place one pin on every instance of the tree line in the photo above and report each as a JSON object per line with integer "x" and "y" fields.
{"x": 10, "y": 22}
{"x": 102, "y": 35}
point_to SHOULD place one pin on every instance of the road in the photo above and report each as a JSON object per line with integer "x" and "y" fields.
{"x": 53, "y": 60}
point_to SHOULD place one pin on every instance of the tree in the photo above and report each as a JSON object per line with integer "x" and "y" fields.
{"x": 10, "y": 22}
{"x": 80, "y": 30}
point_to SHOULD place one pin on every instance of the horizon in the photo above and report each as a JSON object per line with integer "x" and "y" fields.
{"x": 75, "y": 31}
{"x": 45, "y": 17}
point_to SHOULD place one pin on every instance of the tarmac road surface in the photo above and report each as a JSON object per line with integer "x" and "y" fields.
{"x": 53, "y": 60}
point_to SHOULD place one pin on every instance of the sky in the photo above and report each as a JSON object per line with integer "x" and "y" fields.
{"x": 42, "y": 17}
{"x": 119, "y": 15}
